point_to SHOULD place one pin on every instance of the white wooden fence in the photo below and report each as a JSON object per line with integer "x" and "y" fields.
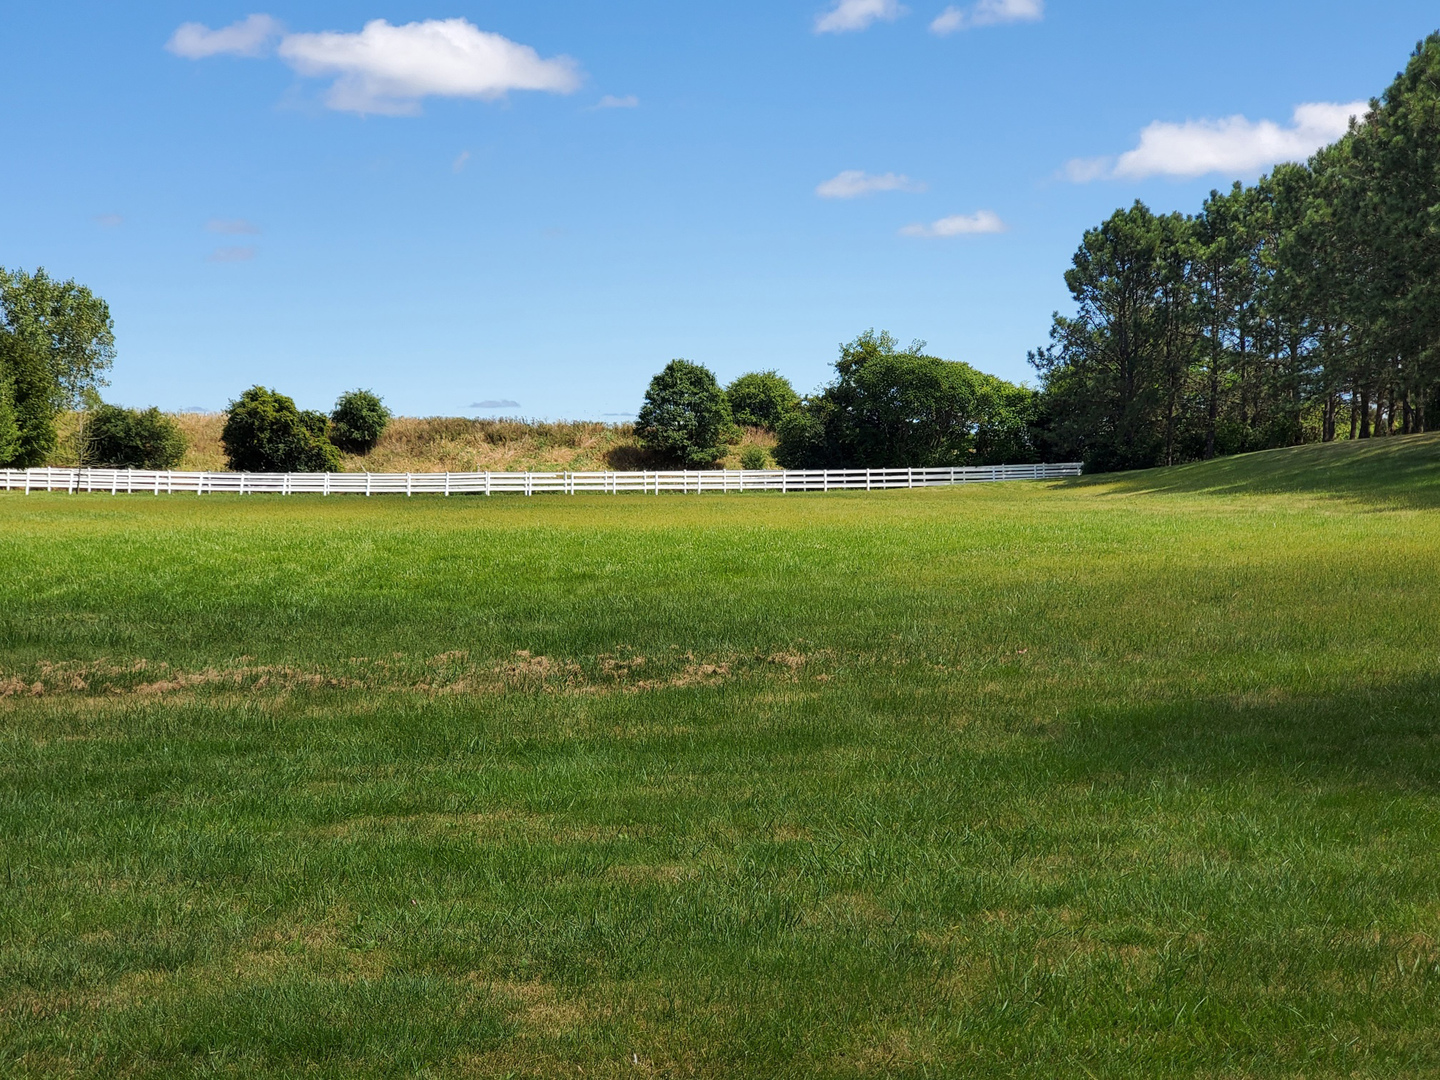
{"x": 143, "y": 482}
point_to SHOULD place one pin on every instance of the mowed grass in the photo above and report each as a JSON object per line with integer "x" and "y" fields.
{"x": 1123, "y": 777}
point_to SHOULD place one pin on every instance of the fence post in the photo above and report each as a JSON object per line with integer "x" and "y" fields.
{"x": 407, "y": 485}
{"x": 487, "y": 482}
{"x": 447, "y": 483}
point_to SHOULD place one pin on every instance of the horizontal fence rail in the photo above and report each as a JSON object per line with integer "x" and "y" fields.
{"x": 147, "y": 482}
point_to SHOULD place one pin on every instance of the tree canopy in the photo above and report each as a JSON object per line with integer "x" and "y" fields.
{"x": 685, "y": 419}
{"x": 894, "y": 407}
{"x": 1282, "y": 312}
{"x": 57, "y": 341}
{"x": 357, "y": 421}
{"x": 265, "y": 432}
{"x": 760, "y": 399}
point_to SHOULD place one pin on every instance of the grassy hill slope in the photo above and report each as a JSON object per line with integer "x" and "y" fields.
{"x": 1400, "y": 470}
{"x": 1130, "y": 776}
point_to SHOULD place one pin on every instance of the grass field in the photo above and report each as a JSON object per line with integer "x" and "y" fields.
{"x": 1124, "y": 777}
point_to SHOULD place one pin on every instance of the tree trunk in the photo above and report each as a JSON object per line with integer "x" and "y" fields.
{"x": 1214, "y": 414}
{"x": 1365, "y": 413}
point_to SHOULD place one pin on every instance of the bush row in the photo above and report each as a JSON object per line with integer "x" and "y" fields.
{"x": 886, "y": 407}
{"x": 266, "y": 432}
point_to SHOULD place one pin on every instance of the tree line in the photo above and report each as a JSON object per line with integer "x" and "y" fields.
{"x": 886, "y": 407}
{"x": 1302, "y": 308}
{"x": 57, "y": 341}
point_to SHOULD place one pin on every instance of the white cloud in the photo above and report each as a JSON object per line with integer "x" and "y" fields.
{"x": 988, "y": 13}
{"x": 458, "y": 165}
{"x": 232, "y": 227}
{"x": 857, "y": 15}
{"x": 389, "y": 69}
{"x": 853, "y": 183}
{"x": 490, "y": 406}
{"x": 110, "y": 221}
{"x": 981, "y": 223}
{"x": 231, "y": 255}
{"x": 1234, "y": 146}
{"x": 248, "y": 37}
{"x": 610, "y": 101}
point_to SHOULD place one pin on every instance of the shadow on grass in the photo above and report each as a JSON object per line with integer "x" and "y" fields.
{"x": 1383, "y": 735}
{"x": 1397, "y": 471}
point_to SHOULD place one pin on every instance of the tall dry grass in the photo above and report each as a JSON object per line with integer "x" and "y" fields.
{"x": 451, "y": 444}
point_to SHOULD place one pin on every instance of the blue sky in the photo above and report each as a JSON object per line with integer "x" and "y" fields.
{"x": 437, "y": 206}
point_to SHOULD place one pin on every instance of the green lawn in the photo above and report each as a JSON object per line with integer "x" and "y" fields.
{"x": 1123, "y": 777}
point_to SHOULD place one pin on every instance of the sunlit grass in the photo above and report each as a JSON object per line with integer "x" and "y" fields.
{"x": 1127, "y": 777}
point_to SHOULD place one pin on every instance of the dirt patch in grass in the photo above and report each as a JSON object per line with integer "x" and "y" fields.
{"x": 538, "y": 1007}
{"x": 447, "y": 674}
{"x": 487, "y": 825}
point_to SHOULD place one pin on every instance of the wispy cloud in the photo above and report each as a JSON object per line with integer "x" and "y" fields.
{"x": 254, "y": 36}
{"x": 389, "y": 70}
{"x": 109, "y": 221}
{"x": 610, "y": 101}
{"x": 461, "y": 159}
{"x": 987, "y": 13}
{"x": 853, "y": 183}
{"x": 231, "y": 255}
{"x": 977, "y": 224}
{"x": 232, "y": 227}
{"x": 487, "y": 406}
{"x": 1234, "y": 146}
{"x": 849, "y": 15}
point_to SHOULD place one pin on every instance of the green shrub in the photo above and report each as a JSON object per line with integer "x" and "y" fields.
{"x": 760, "y": 399}
{"x": 358, "y": 421}
{"x": 754, "y": 457}
{"x": 804, "y": 437}
{"x": 685, "y": 418}
{"x": 265, "y": 432}
{"x": 119, "y": 438}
